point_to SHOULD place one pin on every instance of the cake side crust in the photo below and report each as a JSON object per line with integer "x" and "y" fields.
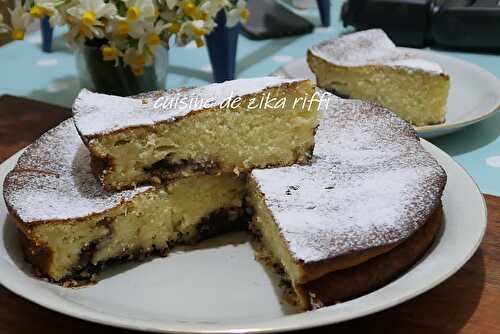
{"x": 161, "y": 151}
{"x": 342, "y": 285}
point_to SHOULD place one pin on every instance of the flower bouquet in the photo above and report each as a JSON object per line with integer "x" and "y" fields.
{"x": 120, "y": 39}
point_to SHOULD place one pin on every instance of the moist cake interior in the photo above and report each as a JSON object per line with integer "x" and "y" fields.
{"x": 183, "y": 212}
{"x": 225, "y": 139}
{"x": 419, "y": 98}
{"x": 366, "y": 65}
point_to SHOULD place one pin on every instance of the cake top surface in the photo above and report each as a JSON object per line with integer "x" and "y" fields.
{"x": 370, "y": 47}
{"x": 371, "y": 183}
{"x": 98, "y": 114}
{"x": 53, "y": 180}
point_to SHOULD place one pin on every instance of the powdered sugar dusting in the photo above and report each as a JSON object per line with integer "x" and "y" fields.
{"x": 53, "y": 180}
{"x": 370, "y": 184}
{"x": 96, "y": 114}
{"x": 370, "y": 47}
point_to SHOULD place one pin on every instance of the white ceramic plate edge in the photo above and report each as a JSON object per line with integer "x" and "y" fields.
{"x": 320, "y": 317}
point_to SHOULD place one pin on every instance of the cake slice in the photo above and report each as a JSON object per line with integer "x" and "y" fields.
{"x": 220, "y": 128}
{"x": 70, "y": 227}
{"x": 367, "y": 65}
{"x": 362, "y": 212}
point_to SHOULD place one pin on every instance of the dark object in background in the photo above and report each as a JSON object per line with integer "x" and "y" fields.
{"x": 405, "y": 22}
{"x": 270, "y": 19}
{"x": 449, "y": 23}
{"x": 222, "y": 43}
{"x": 467, "y": 24}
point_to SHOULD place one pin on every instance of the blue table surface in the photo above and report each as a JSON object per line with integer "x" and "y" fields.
{"x": 52, "y": 77}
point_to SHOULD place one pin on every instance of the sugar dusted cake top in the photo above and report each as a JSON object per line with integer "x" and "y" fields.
{"x": 53, "y": 180}
{"x": 370, "y": 184}
{"x": 370, "y": 47}
{"x": 97, "y": 114}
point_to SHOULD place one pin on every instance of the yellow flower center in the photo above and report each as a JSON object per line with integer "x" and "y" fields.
{"x": 18, "y": 34}
{"x": 153, "y": 39}
{"x": 133, "y": 13}
{"x": 139, "y": 61}
{"x": 245, "y": 15}
{"x": 108, "y": 53}
{"x": 198, "y": 31}
{"x": 189, "y": 8}
{"x": 174, "y": 28}
{"x": 122, "y": 28}
{"x": 199, "y": 42}
{"x": 138, "y": 71}
{"x": 37, "y": 12}
{"x": 88, "y": 18}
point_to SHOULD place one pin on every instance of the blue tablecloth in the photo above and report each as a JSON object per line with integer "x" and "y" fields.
{"x": 52, "y": 77}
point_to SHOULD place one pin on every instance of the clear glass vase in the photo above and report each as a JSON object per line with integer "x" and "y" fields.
{"x": 104, "y": 77}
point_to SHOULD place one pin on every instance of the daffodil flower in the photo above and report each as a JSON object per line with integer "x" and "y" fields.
{"x": 137, "y": 60}
{"x": 140, "y": 10}
{"x": 213, "y": 7}
{"x": 152, "y": 37}
{"x": 237, "y": 14}
{"x": 51, "y": 8}
{"x": 111, "y": 52}
{"x": 89, "y": 13}
{"x": 20, "y": 20}
{"x": 189, "y": 8}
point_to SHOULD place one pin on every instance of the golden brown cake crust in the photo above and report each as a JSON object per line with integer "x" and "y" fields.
{"x": 349, "y": 283}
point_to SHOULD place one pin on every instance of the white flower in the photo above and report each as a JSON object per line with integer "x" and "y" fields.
{"x": 111, "y": 52}
{"x": 237, "y": 14}
{"x": 80, "y": 32}
{"x": 137, "y": 60}
{"x": 212, "y": 7}
{"x": 88, "y": 12}
{"x": 139, "y": 10}
{"x": 151, "y": 37}
{"x": 52, "y": 8}
{"x": 48, "y": 6}
{"x": 20, "y": 20}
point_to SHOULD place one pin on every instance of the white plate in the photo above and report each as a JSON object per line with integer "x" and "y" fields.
{"x": 474, "y": 92}
{"x": 219, "y": 287}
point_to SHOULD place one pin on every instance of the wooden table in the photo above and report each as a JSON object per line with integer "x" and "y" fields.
{"x": 468, "y": 302}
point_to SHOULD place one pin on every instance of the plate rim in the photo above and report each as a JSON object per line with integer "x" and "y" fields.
{"x": 427, "y": 130}
{"x": 285, "y": 323}
{"x": 443, "y": 126}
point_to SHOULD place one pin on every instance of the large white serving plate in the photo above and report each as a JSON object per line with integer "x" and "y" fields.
{"x": 474, "y": 92}
{"x": 219, "y": 287}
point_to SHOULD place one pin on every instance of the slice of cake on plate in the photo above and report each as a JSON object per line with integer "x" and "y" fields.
{"x": 219, "y": 128}
{"x": 367, "y": 65}
{"x": 71, "y": 226}
{"x": 366, "y": 208}
{"x": 362, "y": 212}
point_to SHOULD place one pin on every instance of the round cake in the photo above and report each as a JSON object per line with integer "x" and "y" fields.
{"x": 365, "y": 209}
